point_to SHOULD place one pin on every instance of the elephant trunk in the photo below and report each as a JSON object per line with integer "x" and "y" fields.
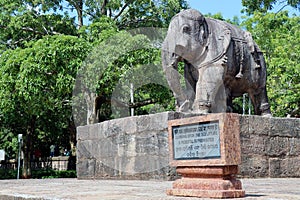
{"x": 170, "y": 65}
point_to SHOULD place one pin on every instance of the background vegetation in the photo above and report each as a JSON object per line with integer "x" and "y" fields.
{"x": 43, "y": 44}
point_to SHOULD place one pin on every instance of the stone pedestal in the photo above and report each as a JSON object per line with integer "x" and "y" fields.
{"x": 206, "y": 151}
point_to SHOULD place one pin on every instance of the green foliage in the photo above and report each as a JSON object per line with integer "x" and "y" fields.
{"x": 278, "y": 35}
{"x": 98, "y": 31}
{"x": 263, "y": 6}
{"x": 145, "y": 13}
{"x": 37, "y": 83}
{"x": 9, "y": 142}
{"x": 8, "y": 174}
{"x": 39, "y": 174}
{"x": 50, "y": 173}
{"x": 123, "y": 59}
{"x": 21, "y": 23}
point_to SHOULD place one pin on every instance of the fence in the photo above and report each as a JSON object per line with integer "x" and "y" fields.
{"x": 56, "y": 163}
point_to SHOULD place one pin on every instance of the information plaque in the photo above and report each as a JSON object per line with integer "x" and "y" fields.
{"x": 196, "y": 141}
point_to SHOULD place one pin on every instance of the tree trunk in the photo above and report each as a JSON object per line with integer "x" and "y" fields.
{"x": 27, "y": 149}
{"x": 78, "y": 5}
{"x": 90, "y": 99}
{"x": 79, "y": 8}
{"x": 104, "y": 8}
{"x": 72, "y": 131}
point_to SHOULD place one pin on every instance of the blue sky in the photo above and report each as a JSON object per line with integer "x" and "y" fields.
{"x": 228, "y": 8}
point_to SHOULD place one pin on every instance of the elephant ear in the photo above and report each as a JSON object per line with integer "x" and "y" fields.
{"x": 203, "y": 32}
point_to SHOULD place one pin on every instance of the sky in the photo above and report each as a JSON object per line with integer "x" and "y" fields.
{"x": 228, "y": 8}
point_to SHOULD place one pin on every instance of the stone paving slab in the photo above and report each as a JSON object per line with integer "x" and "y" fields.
{"x": 73, "y": 189}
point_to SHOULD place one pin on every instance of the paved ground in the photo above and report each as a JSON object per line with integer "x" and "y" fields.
{"x": 57, "y": 189}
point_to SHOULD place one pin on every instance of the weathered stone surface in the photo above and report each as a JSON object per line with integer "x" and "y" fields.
{"x": 129, "y": 147}
{"x": 86, "y": 168}
{"x": 277, "y": 146}
{"x": 270, "y": 147}
{"x": 294, "y": 146}
{"x": 254, "y": 166}
{"x": 284, "y": 127}
{"x": 288, "y": 167}
{"x": 254, "y": 144}
{"x": 259, "y": 125}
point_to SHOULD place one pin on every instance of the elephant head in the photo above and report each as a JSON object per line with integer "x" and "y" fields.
{"x": 186, "y": 37}
{"x": 186, "y": 41}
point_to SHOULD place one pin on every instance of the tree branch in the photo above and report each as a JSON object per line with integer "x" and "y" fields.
{"x": 103, "y": 7}
{"x": 117, "y": 102}
{"x": 142, "y": 103}
{"x": 39, "y": 32}
{"x": 121, "y": 11}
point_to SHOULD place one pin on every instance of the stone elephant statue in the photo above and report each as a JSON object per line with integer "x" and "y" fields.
{"x": 221, "y": 61}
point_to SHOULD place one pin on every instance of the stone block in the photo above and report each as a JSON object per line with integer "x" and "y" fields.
{"x": 143, "y": 123}
{"x": 159, "y": 121}
{"x": 297, "y": 128}
{"x": 85, "y": 168}
{"x": 254, "y": 166}
{"x": 244, "y": 126}
{"x": 163, "y": 143}
{"x": 144, "y": 163}
{"x": 254, "y": 144}
{"x": 104, "y": 148}
{"x": 282, "y": 127}
{"x": 259, "y": 125}
{"x": 286, "y": 167}
{"x": 83, "y": 132}
{"x": 94, "y": 132}
{"x": 294, "y": 147}
{"x": 126, "y": 125}
{"x": 291, "y": 167}
{"x": 105, "y": 171}
{"x": 147, "y": 144}
{"x": 83, "y": 149}
{"x": 277, "y": 146}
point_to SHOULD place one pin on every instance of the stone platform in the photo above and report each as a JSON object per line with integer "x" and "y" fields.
{"x": 74, "y": 189}
{"x": 137, "y": 148}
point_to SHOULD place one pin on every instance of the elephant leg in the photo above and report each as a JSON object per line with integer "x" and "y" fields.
{"x": 173, "y": 78}
{"x": 189, "y": 74}
{"x": 170, "y": 65}
{"x": 229, "y": 101}
{"x": 210, "y": 90}
{"x": 260, "y": 103}
{"x": 259, "y": 96}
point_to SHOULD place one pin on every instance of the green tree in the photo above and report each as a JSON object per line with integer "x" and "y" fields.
{"x": 278, "y": 36}
{"x": 23, "y": 21}
{"x": 264, "y": 5}
{"x": 36, "y": 87}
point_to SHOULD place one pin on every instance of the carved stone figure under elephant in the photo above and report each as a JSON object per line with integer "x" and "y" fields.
{"x": 221, "y": 62}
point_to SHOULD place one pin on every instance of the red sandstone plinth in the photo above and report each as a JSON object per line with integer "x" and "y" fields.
{"x": 206, "y": 152}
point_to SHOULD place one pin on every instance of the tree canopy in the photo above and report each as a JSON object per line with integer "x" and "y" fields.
{"x": 262, "y": 6}
{"x": 278, "y": 36}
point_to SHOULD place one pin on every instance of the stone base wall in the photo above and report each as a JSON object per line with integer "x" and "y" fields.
{"x": 137, "y": 148}
{"x": 270, "y": 147}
